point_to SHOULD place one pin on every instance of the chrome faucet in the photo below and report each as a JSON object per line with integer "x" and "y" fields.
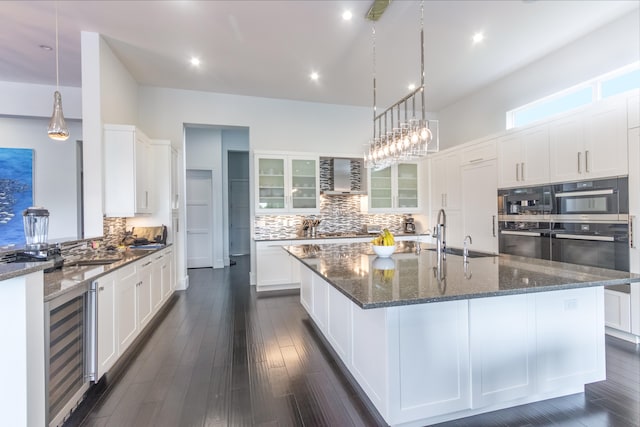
{"x": 465, "y": 250}
{"x": 441, "y": 232}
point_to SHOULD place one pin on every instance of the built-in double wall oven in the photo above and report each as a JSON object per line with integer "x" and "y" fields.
{"x": 582, "y": 222}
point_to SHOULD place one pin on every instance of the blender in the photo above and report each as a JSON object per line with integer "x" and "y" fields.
{"x": 36, "y": 231}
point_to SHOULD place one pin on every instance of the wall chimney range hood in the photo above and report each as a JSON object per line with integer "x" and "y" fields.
{"x": 345, "y": 177}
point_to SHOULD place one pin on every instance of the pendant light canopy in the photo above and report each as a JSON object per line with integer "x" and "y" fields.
{"x": 58, "y": 130}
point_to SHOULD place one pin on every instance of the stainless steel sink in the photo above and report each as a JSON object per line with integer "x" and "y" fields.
{"x": 459, "y": 252}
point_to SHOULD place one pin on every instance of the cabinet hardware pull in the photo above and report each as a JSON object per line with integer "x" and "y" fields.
{"x": 144, "y": 265}
{"x": 522, "y": 171}
{"x": 101, "y": 288}
{"x": 479, "y": 159}
{"x": 517, "y": 173}
{"x": 493, "y": 225}
{"x": 586, "y": 161}
{"x": 579, "y": 166}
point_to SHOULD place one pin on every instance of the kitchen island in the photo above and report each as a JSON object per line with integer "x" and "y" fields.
{"x": 430, "y": 339}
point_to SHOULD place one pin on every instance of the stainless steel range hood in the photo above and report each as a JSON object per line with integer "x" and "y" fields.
{"x": 344, "y": 180}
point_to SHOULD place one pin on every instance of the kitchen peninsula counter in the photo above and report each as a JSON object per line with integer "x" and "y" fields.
{"x": 407, "y": 278}
{"x": 430, "y": 340}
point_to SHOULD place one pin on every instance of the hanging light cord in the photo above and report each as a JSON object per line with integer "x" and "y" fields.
{"x": 373, "y": 41}
{"x": 57, "y": 73}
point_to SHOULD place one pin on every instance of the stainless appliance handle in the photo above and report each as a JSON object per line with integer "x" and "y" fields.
{"x": 92, "y": 331}
{"x": 585, "y": 193}
{"x": 632, "y": 242}
{"x": 521, "y": 233}
{"x": 582, "y": 237}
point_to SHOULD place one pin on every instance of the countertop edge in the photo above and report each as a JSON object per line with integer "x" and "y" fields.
{"x": 321, "y": 238}
{"x": 17, "y": 269}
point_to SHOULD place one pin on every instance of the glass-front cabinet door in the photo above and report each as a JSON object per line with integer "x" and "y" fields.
{"x": 407, "y": 178}
{"x": 304, "y": 184}
{"x": 271, "y": 184}
{"x": 381, "y": 189}
{"x": 395, "y": 188}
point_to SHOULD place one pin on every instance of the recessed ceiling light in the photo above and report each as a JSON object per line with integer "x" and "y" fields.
{"x": 477, "y": 38}
{"x": 347, "y": 15}
{"x": 195, "y": 61}
{"x": 412, "y": 86}
{"x": 314, "y": 76}
{"x": 45, "y": 47}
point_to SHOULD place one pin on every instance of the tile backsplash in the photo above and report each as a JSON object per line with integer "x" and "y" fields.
{"x": 337, "y": 214}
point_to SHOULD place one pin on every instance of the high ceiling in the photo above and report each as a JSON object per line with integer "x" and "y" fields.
{"x": 269, "y": 48}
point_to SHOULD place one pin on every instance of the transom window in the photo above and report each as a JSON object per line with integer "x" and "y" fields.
{"x": 616, "y": 82}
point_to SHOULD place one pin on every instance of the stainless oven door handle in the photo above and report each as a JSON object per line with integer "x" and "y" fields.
{"x": 585, "y": 193}
{"x": 632, "y": 223}
{"x": 521, "y": 233}
{"x": 581, "y": 237}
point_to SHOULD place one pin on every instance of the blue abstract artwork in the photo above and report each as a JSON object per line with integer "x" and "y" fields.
{"x": 16, "y": 192}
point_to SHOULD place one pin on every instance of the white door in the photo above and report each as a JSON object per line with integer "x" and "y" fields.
{"x": 239, "y": 233}
{"x": 199, "y": 219}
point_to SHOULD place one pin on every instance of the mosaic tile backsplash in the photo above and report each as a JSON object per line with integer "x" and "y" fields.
{"x": 339, "y": 214}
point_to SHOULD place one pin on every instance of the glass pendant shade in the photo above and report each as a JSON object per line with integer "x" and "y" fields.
{"x": 58, "y": 130}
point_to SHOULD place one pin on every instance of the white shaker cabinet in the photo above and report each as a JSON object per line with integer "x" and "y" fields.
{"x": 479, "y": 206}
{"x": 287, "y": 184}
{"x": 276, "y": 269}
{"x": 107, "y": 344}
{"x": 523, "y": 158}
{"x": 589, "y": 144}
{"x": 446, "y": 181}
{"x": 143, "y": 300}
{"x": 395, "y": 188}
{"x": 128, "y": 171}
{"x": 127, "y": 320}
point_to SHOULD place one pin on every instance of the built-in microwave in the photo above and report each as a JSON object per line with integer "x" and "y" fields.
{"x": 597, "y": 200}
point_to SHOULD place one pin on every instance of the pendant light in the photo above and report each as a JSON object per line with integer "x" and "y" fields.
{"x": 58, "y": 130}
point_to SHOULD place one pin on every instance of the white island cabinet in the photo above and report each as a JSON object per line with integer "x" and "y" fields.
{"x": 469, "y": 340}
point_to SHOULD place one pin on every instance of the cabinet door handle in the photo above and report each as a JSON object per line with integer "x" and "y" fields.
{"x": 146, "y": 199}
{"x": 522, "y": 171}
{"x": 101, "y": 288}
{"x": 586, "y": 161}
{"x": 493, "y": 225}
{"x": 517, "y": 172}
{"x": 579, "y": 162}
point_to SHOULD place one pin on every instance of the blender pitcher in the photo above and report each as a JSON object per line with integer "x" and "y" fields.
{"x": 36, "y": 228}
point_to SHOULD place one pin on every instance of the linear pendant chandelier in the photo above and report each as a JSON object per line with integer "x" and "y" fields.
{"x": 400, "y": 133}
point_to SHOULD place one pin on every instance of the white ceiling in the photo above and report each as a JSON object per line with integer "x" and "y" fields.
{"x": 269, "y": 48}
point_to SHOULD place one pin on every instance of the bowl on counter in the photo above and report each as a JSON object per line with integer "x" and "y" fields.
{"x": 384, "y": 251}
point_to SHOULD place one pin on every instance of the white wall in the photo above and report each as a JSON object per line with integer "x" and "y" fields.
{"x": 30, "y": 100}
{"x": 484, "y": 113}
{"x": 54, "y": 170}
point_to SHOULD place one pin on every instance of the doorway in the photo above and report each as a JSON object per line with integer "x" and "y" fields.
{"x": 238, "y": 177}
{"x": 199, "y": 219}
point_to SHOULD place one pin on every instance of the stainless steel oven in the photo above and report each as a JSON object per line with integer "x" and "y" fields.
{"x": 602, "y": 244}
{"x": 599, "y": 200}
{"x": 523, "y": 218}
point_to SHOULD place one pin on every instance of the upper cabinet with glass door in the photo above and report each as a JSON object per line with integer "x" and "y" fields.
{"x": 286, "y": 184}
{"x": 395, "y": 189}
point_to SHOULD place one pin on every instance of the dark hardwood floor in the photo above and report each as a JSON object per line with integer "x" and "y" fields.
{"x": 226, "y": 356}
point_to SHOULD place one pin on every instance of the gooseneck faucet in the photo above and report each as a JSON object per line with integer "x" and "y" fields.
{"x": 441, "y": 232}
{"x": 465, "y": 250}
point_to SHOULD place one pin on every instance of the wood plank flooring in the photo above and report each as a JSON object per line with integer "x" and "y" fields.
{"x": 226, "y": 356}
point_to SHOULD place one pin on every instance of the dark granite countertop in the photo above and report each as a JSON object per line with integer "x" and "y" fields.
{"x": 330, "y": 236}
{"x": 9, "y": 271}
{"x": 406, "y": 278}
{"x": 69, "y": 278}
